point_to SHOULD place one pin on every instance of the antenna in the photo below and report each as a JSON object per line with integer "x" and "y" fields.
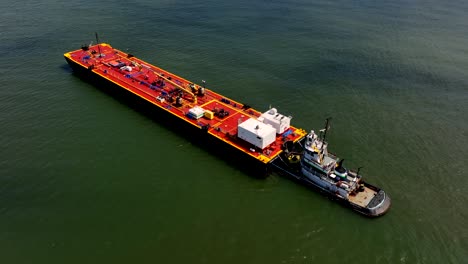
{"x": 358, "y": 169}
{"x": 97, "y": 42}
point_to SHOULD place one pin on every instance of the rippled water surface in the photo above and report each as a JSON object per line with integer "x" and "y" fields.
{"x": 87, "y": 179}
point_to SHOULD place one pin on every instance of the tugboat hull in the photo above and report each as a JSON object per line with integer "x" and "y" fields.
{"x": 379, "y": 204}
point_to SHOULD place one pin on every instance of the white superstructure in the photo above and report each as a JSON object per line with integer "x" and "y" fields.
{"x": 324, "y": 169}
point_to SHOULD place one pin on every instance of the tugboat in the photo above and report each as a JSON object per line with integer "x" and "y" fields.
{"x": 309, "y": 162}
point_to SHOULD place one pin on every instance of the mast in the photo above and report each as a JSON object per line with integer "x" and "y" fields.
{"x": 324, "y": 133}
{"x": 97, "y": 42}
{"x": 326, "y": 128}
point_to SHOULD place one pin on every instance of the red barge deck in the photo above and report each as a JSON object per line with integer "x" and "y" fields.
{"x": 178, "y": 96}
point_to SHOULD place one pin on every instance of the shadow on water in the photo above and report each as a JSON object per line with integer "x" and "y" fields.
{"x": 233, "y": 158}
{"x": 66, "y": 68}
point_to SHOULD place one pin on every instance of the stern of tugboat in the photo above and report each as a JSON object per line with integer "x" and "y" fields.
{"x": 380, "y": 204}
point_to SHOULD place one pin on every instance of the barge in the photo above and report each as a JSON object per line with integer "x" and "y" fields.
{"x": 261, "y": 141}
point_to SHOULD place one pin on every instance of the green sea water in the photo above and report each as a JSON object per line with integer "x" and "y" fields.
{"x": 87, "y": 179}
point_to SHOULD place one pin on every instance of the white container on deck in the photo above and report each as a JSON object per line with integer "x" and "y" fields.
{"x": 256, "y": 133}
{"x": 280, "y": 122}
{"x": 196, "y": 112}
